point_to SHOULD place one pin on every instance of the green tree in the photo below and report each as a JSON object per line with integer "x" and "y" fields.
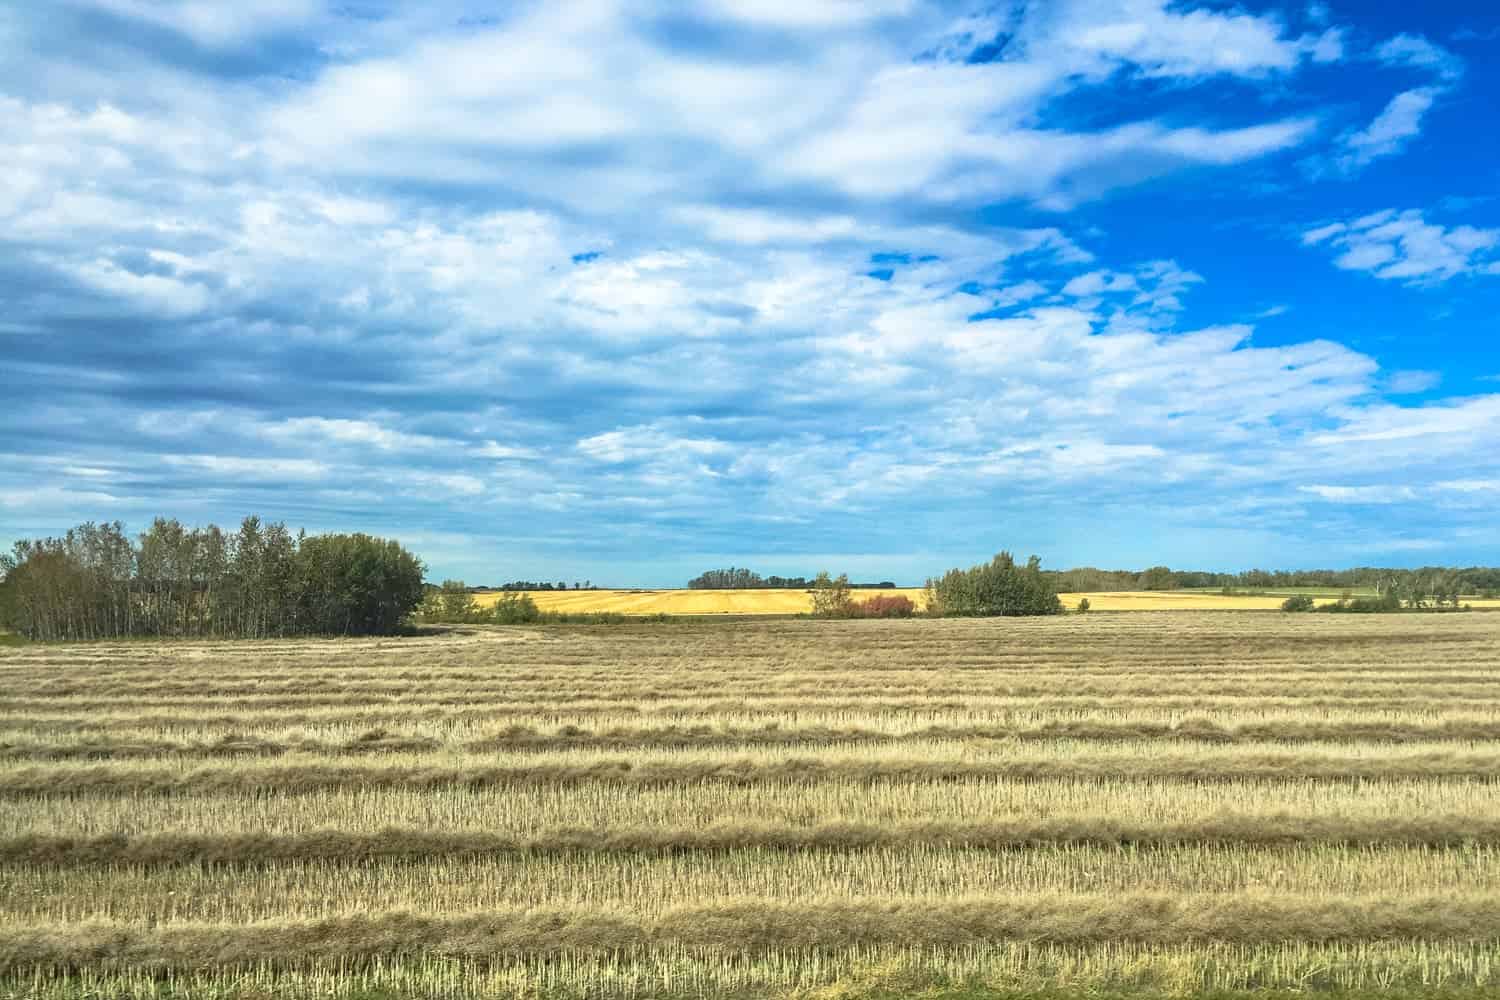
{"x": 999, "y": 587}
{"x": 356, "y": 585}
{"x": 831, "y": 597}
{"x": 455, "y": 603}
{"x": 1158, "y": 578}
{"x": 515, "y": 609}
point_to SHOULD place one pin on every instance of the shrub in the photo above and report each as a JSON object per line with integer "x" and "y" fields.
{"x": 1384, "y": 604}
{"x": 895, "y": 606}
{"x": 584, "y": 618}
{"x": 455, "y": 603}
{"x": 1083, "y": 605}
{"x": 831, "y": 596}
{"x": 999, "y": 587}
{"x": 1298, "y": 603}
{"x": 515, "y": 609}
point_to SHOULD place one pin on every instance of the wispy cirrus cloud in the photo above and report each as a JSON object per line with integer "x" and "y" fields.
{"x": 1401, "y": 120}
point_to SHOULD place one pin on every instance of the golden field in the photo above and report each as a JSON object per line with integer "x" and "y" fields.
{"x": 1172, "y": 802}
{"x": 791, "y": 602}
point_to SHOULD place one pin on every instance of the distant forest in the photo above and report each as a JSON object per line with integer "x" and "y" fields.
{"x": 1473, "y": 580}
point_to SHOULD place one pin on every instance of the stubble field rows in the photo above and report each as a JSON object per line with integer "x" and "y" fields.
{"x": 1173, "y": 801}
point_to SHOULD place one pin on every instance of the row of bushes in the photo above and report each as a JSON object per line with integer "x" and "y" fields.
{"x": 1387, "y": 603}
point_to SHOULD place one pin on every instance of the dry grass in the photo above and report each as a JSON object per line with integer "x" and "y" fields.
{"x": 1170, "y": 801}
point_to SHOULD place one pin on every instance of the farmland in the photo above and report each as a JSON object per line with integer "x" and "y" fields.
{"x": 793, "y": 602}
{"x": 1167, "y": 801}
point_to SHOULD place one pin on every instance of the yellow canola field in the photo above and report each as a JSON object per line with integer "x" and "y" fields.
{"x": 685, "y": 602}
{"x": 791, "y": 602}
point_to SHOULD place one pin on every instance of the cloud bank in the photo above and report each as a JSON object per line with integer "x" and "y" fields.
{"x": 615, "y": 289}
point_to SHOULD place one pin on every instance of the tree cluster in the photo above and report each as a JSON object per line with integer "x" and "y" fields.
{"x": 735, "y": 578}
{"x": 999, "y": 587}
{"x": 833, "y": 597}
{"x": 260, "y": 581}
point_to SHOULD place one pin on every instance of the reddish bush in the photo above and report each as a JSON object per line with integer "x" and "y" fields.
{"x": 884, "y": 606}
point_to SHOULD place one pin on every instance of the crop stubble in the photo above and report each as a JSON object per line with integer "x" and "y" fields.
{"x": 1174, "y": 800}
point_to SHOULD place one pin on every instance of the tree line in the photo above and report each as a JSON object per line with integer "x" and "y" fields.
{"x": 533, "y": 585}
{"x": 261, "y": 581}
{"x": 1480, "y": 580}
{"x": 737, "y": 578}
{"x": 1470, "y": 580}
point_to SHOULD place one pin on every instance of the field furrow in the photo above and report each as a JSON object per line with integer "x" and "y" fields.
{"x": 1163, "y": 800}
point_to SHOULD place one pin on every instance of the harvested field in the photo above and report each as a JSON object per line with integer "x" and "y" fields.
{"x": 1174, "y": 802}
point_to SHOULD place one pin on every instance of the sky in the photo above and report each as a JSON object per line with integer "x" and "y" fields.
{"x": 620, "y": 291}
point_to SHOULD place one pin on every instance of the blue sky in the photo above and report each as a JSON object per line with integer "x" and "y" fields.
{"x": 623, "y": 291}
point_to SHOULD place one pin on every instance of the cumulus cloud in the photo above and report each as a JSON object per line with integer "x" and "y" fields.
{"x": 1403, "y": 246}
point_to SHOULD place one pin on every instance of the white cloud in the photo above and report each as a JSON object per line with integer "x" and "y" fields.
{"x": 1389, "y": 132}
{"x": 426, "y": 483}
{"x": 809, "y": 13}
{"x": 53, "y": 498}
{"x": 251, "y": 468}
{"x": 1406, "y": 382}
{"x": 213, "y": 22}
{"x": 652, "y": 441}
{"x": 1097, "y": 282}
{"x": 1403, "y": 246}
{"x": 1362, "y": 494}
{"x": 1461, "y": 422}
{"x": 1469, "y": 485}
{"x": 502, "y": 102}
{"x": 395, "y": 345}
{"x": 1165, "y": 41}
{"x": 759, "y": 227}
{"x": 159, "y": 293}
{"x": 1400, "y": 120}
{"x": 342, "y": 431}
{"x": 493, "y": 449}
{"x": 1416, "y": 51}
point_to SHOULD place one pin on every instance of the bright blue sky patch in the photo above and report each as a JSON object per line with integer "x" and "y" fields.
{"x": 623, "y": 291}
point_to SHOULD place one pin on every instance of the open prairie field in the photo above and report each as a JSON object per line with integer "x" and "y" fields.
{"x": 792, "y": 602}
{"x": 1168, "y": 802}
